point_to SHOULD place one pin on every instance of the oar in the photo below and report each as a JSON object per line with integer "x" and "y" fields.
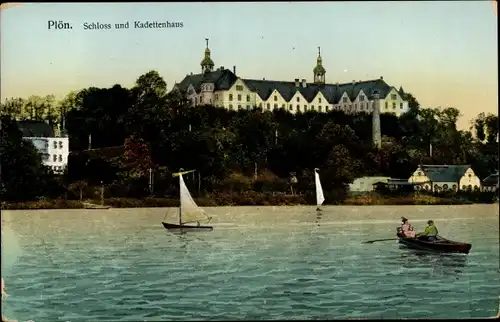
{"x": 377, "y": 240}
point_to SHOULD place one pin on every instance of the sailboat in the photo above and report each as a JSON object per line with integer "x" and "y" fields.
{"x": 189, "y": 212}
{"x": 320, "y": 198}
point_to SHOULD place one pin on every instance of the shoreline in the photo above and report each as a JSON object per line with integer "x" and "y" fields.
{"x": 245, "y": 199}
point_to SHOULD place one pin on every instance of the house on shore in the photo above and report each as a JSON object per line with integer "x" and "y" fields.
{"x": 366, "y": 184}
{"x": 52, "y": 145}
{"x": 490, "y": 183}
{"x": 438, "y": 178}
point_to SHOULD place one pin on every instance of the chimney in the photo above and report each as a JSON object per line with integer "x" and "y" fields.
{"x": 382, "y": 77}
{"x": 304, "y": 83}
{"x": 354, "y": 82}
{"x": 263, "y": 78}
{"x": 222, "y": 68}
{"x": 191, "y": 73}
{"x": 297, "y": 82}
{"x": 234, "y": 70}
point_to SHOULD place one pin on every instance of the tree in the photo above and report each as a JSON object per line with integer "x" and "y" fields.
{"x": 23, "y": 175}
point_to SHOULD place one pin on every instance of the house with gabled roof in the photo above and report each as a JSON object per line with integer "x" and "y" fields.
{"x": 490, "y": 183}
{"x": 53, "y": 147}
{"x": 223, "y": 88}
{"x": 437, "y": 178}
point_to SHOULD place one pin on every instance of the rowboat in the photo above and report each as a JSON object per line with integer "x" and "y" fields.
{"x": 441, "y": 245}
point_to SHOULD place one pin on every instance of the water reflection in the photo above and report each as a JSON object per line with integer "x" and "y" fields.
{"x": 440, "y": 264}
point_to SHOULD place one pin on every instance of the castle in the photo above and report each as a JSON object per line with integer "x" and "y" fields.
{"x": 223, "y": 88}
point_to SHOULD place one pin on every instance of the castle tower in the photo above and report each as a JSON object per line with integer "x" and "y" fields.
{"x": 207, "y": 64}
{"x": 376, "y": 132}
{"x": 319, "y": 71}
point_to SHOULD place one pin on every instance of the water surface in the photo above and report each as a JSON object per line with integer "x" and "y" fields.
{"x": 258, "y": 263}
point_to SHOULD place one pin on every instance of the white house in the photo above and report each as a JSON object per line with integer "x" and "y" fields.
{"x": 53, "y": 149}
{"x": 365, "y": 184}
{"x": 223, "y": 88}
{"x": 445, "y": 178}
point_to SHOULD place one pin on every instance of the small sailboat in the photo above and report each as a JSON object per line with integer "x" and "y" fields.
{"x": 189, "y": 212}
{"x": 320, "y": 198}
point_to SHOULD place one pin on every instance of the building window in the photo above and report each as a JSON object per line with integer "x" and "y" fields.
{"x": 55, "y": 145}
{"x": 268, "y": 106}
{"x": 319, "y": 108}
{"x": 275, "y": 105}
{"x": 312, "y": 107}
{"x": 305, "y": 107}
{"x": 344, "y": 99}
{"x": 275, "y": 97}
{"x": 355, "y": 106}
{"x": 248, "y": 98}
{"x": 476, "y": 188}
{"x": 361, "y": 98}
{"x": 386, "y": 105}
{"x": 401, "y": 106}
{"x": 298, "y": 99}
{"x": 54, "y": 158}
{"x": 319, "y": 100}
{"x": 216, "y": 96}
{"x": 60, "y": 145}
{"x": 362, "y": 106}
{"x": 454, "y": 187}
{"x": 248, "y": 107}
{"x": 230, "y": 106}
{"x": 60, "y": 158}
{"x": 393, "y": 105}
{"x": 239, "y": 97}
{"x": 230, "y": 97}
{"x": 298, "y": 107}
{"x": 239, "y": 87}
{"x": 260, "y": 105}
{"x": 445, "y": 187}
{"x": 469, "y": 187}
{"x": 283, "y": 106}
{"x": 326, "y": 108}
{"x": 470, "y": 175}
{"x": 239, "y": 107}
{"x": 394, "y": 97}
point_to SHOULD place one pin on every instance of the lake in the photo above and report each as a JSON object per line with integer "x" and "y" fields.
{"x": 258, "y": 263}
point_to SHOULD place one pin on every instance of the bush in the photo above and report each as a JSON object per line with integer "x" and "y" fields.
{"x": 43, "y": 204}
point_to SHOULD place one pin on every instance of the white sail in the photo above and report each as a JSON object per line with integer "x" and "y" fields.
{"x": 190, "y": 211}
{"x": 319, "y": 191}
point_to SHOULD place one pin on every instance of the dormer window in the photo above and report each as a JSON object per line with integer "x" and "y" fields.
{"x": 344, "y": 100}
{"x": 319, "y": 100}
{"x": 239, "y": 87}
{"x": 275, "y": 97}
{"x": 394, "y": 97}
{"x": 361, "y": 98}
{"x": 298, "y": 99}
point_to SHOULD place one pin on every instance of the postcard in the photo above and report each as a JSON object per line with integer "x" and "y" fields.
{"x": 249, "y": 161}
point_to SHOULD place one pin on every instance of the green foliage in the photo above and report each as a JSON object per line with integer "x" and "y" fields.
{"x": 23, "y": 175}
{"x": 162, "y": 131}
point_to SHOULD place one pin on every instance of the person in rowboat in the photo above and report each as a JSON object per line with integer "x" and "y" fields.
{"x": 407, "y": 228}
{"x": 430, "y": 232}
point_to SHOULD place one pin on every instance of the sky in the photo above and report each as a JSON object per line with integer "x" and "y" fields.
{"x": 443, "y": 52}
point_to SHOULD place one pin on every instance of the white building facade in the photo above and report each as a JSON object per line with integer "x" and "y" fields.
{"x": 54, "y": 151}
{"x": 223, "y": 88}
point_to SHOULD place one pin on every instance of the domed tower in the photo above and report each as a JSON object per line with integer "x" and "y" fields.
{"x": 207, "y": 64}
{"x": 319, "y": 71}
